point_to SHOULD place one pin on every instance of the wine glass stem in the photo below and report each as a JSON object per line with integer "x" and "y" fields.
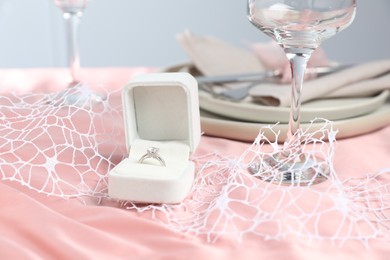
{"x": 72, "y": 34}
{"x": 298, "y": 63}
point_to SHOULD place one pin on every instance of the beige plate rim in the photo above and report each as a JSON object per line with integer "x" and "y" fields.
{"x": 331, "y": 109}
{"x": 215, "y": 125}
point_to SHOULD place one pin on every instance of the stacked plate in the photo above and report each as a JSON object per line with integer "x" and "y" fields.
{"x": 243, "y": 120}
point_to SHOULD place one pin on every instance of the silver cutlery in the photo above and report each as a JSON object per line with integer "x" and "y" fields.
{"x": 240, "y": 93}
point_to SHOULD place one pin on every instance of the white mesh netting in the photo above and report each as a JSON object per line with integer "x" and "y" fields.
{"x": 64, "y": 150}
{"x": 61, "y": 148}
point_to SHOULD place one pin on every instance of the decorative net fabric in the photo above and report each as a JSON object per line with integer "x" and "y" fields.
{"x": 63, "y": 146}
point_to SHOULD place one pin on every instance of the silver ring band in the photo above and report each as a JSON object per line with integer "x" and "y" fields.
{"x": 152, "y": 153}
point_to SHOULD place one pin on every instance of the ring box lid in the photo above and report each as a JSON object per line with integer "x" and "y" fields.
{"x": 162, "y": 107}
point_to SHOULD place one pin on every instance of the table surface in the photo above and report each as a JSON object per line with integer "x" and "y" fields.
{"x": 36, "y": 226}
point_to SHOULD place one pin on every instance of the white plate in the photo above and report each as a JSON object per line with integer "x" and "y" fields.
{"x": 215, "y": 125}
{"x": 331, "y": 109}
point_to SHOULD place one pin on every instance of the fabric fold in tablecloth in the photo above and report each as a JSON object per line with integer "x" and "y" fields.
{"x": 34, "y": 225}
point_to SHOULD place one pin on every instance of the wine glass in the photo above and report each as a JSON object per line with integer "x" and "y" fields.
{"x": 299, "y": 27}
{"x": 78, "y": 94}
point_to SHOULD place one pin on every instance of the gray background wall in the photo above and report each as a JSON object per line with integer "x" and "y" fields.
{"x": 142, "y": 33}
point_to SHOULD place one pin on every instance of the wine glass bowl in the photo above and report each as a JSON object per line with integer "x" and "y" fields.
{"x": 299, "y": 27}
{"x": 301, "y": 24}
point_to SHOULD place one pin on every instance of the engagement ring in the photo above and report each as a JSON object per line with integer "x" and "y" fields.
{"x": 152, "y": 153}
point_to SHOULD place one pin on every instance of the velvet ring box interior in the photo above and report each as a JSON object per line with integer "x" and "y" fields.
{"x": 161, "y": 110}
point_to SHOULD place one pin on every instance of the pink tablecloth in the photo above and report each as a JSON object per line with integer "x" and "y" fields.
{"x": 37, "y": 226}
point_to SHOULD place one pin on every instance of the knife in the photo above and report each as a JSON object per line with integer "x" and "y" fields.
{"x": 260, "y": 76}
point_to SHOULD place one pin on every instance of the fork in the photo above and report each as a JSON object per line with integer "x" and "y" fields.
{"x": 240, "y": 93}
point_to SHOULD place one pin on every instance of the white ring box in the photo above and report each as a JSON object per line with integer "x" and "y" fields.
{"x": 160, "y": 110}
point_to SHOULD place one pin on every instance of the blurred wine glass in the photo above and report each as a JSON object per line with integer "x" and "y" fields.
{"x": 72, "y": 11}
{"x": 299, "y": 27}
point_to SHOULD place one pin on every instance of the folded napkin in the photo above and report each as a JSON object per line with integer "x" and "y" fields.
{"x": 274, "y": 58}
{"x": 361, "y": 80}
{"x": 214, "y": 57}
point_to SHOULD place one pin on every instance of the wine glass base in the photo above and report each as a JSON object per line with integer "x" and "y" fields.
{"x": 77, "y": 94}
{"x": 304, "y": 171}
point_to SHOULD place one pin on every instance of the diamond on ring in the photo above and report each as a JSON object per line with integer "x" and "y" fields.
{"x": 152, "y": 153}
